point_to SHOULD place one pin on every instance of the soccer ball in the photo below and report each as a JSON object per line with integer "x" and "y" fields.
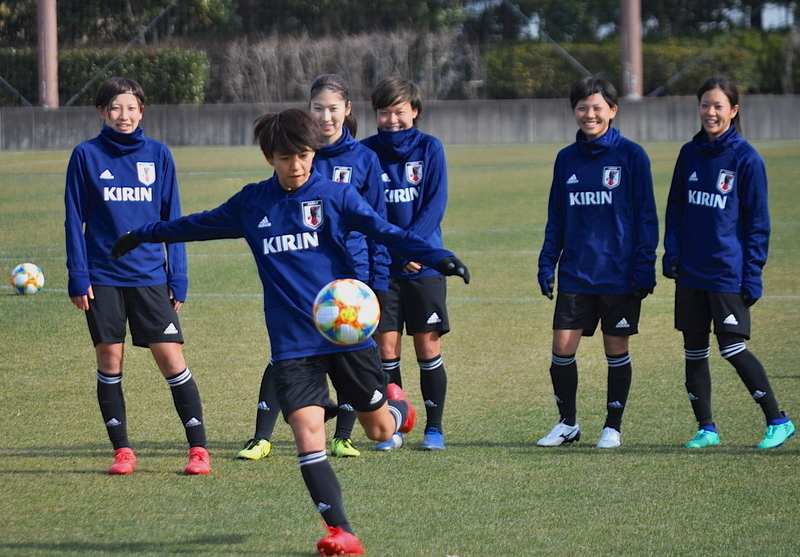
{"x": 346, "y": 311}
{"x": 27, "y": 278}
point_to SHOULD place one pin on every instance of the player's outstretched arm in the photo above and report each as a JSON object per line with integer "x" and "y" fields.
{"x": 453, "y": 266}
{"x": 124, "y": 244}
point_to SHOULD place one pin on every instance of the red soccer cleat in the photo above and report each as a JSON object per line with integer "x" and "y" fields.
{"x": 124, "y": 462}
{"x": 395, "y": 392}
{"x": 199, "y": 461}
{"x": 339, "y": 542}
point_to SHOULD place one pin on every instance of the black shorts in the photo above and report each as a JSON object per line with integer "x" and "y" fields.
{"x": 696, "y": 309}
{"x": 619, "y": 313}
{"x": 357, "y": 377}
{"x": 419, "y": 304}
{"x": 148, "y": 309}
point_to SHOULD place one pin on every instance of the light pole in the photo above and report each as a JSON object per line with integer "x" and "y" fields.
{"x": 631, "y": 42}
{"x": 48, "y": 54}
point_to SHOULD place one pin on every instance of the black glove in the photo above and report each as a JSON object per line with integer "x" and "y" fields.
{"x": 450, "y": 266}
{"x": 748, "y": 301}
{"x": 642, "y": 293}
{"x": 124, "y": 244}
{"x": 547, "y": 286}
{"x": 672, "y": 272}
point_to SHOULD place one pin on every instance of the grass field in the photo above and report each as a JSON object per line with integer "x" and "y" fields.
{"x": 491, "y": 493}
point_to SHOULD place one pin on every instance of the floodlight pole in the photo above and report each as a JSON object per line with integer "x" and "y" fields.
{"x": 48, "y": 54}
{"x": 631, "y": 43}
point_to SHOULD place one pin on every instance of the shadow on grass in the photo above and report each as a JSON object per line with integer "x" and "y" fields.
{"x": 203, "y": 545}
{"x": 588, "y": 449}
{"x": 93, "y": 459}
{"x": 148, "y": 448}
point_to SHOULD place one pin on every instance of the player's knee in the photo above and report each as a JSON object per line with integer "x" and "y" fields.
{"x": 379, "y": 430}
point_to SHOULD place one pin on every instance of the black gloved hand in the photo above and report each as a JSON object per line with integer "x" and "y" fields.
{"x": 547, "y": 286}
{"x": 453, "y": 266}
{"x": 642, "y": 293}
{"x": 672, "y": 272}
{"x": 748, "y": 301}
{"x": 124, "y": 244}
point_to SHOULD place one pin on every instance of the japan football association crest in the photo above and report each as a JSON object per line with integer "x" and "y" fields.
{"x": 726, "y": 180}
{"x": 147, "y": 172}
{"x": 342, "y": 173}
{"x": 414, "y": 172}
{"x": 611, "y": 176}
{"x": 312, "y": 213}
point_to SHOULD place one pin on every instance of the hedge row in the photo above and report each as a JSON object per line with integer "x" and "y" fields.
{"x": 168, "y": 76}
{"x": 756, "y": 61}
{"x": 279, "y": 71}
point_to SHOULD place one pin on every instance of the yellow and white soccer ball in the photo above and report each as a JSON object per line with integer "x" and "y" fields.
{"x": 27, "y": 279}
{"x": 346, "y": 311}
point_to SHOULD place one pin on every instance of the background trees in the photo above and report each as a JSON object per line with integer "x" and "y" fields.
{"x": 454, "y": 48}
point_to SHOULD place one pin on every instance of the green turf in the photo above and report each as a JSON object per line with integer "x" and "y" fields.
{"x": 492, "y": 492}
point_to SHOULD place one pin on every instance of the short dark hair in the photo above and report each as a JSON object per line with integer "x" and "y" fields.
{"x": 727, "y": 86}
{"x": 395, "y": 90}
{"x": 589, "y": 85}
{"x": 335, "y": 84}
{"x": 118, "y": 86}
{"x": 289, "y": 132}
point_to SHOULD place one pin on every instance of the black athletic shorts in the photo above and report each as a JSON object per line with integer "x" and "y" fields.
{"x": 619, "y": 313}
{"x": 357, "y": 377}
{"x": 419, "y": 304}
{"x": 696, "y": 309}
{"x": 148, "y": 309}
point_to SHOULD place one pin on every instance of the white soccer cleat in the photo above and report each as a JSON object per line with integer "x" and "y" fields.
{"x": 560, "y": 434}
{"x": 610, "y": 438}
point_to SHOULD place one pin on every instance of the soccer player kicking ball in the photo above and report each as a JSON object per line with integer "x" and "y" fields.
{"x": 342, "y": 159}
{"x": 297, "y": 224}
{"x": 602, "y": 231}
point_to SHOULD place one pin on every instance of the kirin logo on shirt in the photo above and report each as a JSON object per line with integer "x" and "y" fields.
{"x": 342, "y": 174}
{"x": 147, "y": 172}
{"x": 611, "y": 176}
{"x": 726, "y": 180}
{"x": 312, "y": 213}
{"x": 414, "y": 172}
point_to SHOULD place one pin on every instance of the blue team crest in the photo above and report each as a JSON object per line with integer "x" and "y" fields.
{"x": 312, "y": 213}
{"x": 146, "y": 172}
{"x": 611, "y": 176}
{"x": 726, "y": 180}
{"x": 414, "y": 172}
{"x": 342, "y": 173}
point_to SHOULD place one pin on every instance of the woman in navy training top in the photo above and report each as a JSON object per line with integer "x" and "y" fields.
{"x": 715, "y": 247}
{"x": 115, "y": 182}
{"x": 602, "y": 231}
{"x": 341, "y": 159}
{"x": 414, "y": 171}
